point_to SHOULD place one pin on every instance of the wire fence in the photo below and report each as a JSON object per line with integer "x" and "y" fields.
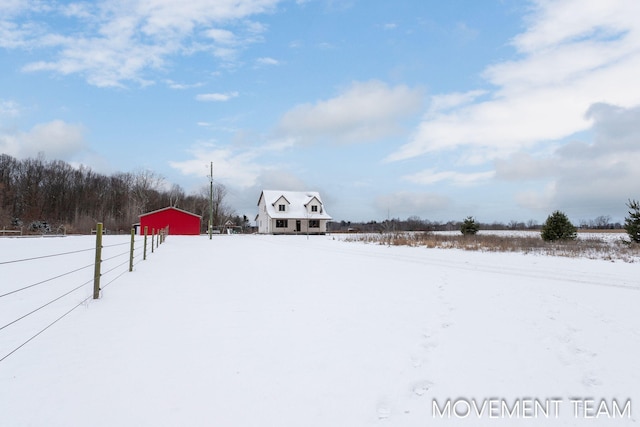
{"x": 36, "y": 292}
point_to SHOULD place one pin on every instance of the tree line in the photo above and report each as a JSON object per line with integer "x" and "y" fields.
{"x": 48, "y": 196}
{"x": 415, "y": 223}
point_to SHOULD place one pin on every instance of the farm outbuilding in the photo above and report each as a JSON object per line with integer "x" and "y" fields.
{"x": 179, "y": 221}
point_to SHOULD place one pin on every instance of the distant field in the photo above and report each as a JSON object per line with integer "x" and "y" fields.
{"x": 593, "y": 244}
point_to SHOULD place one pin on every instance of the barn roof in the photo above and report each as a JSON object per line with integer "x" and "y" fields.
{"x": 170, "y": 208}
{"x": 298, "y": 201}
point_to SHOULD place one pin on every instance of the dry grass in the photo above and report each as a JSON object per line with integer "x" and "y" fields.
{"x": 591, "y": 247}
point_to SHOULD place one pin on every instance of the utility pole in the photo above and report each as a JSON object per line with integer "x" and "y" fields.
{"x": 211, "y": 203}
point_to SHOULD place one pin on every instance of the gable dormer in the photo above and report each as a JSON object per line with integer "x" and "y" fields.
{"x": 281, "y": 205}
{"x": 313, "y": 206}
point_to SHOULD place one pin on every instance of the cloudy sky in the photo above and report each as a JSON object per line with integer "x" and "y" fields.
{"x": 500, "y": 109}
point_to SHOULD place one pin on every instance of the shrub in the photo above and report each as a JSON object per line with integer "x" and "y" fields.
{"x": 558, "y": 227}
{"x": 632, "y": 222}
{"x": 469, "y": 226}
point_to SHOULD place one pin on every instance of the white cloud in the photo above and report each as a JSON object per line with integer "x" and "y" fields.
{"x": 120, "y": 41}
{"x": 224, "y": 37}
{"x": 573, "y": 54}
{"x": 449, "y": 101}
{"x": 12, "y": 7}
{"x": 366, "y": 111}
{"x": 230, "y": 166}
{"x": 9, "y": 109}
{"x": 406, "y": 203}
{"x": 579, "y": 176}
{"x": 267, "y": 61}
{"x": 182, "y": 86}
{"x": 55, "y": 139}
{"x": 541, "y": 201}
{"x": 276, "y": 179}
{"x": 216, "y": 97}
{"x": 430, "y": 176}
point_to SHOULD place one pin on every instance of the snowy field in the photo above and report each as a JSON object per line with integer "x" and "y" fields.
{"x": 294, "y": 331}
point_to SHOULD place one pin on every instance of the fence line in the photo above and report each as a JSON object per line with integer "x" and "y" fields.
{"x": 98, "y": 273}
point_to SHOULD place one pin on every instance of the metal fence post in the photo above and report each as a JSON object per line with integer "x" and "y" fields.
{"x": 133, "y": 237}
{"x": 153, "y": 234}
{"x": 96, "y": 271}
{"x": 144, "y": 251}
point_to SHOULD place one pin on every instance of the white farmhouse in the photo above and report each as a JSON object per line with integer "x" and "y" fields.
{"x": 291, "y": 212}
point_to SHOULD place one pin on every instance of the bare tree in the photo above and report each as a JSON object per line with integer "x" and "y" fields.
{"x": 176, "y": 195}
{"x": 145, "y": 183}
{"x": 602, "y": 221}
{"x": 221, "y": 211}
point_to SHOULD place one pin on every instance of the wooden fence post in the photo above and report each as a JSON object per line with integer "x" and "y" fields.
{"x": 96, "y": 271}
{"x": 133, "y": 238}
{"x": 144, "y": 252}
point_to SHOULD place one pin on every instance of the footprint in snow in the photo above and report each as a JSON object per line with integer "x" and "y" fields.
{"x": 384, "y": 412}
{"x": 421, "y": 388}
{"x": 591, "y": 380}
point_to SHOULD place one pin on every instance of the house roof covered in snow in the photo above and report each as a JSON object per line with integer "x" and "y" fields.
{"x": 296, "y": 201}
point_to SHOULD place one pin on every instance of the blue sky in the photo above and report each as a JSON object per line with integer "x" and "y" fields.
{"x": 503, "y": 110}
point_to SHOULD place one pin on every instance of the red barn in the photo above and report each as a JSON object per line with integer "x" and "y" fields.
{"x": 179, "y": 221}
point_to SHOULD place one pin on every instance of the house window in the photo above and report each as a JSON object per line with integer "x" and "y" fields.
{"x": 282, "y": 208}
{"x": 314, "y": 208}
{"x": 282, "y": 223}
{"x": 314, "y": 223}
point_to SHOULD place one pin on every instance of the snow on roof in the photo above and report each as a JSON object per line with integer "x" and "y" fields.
{"x": 297, "y": 204}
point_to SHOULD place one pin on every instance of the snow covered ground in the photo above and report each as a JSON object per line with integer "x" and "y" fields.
{"x": 296, "y": 331}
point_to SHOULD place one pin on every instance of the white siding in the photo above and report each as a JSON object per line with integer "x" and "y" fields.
{"x": 300, "y": 212}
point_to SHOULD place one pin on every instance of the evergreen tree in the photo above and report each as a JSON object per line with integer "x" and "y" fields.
{"x": 469, "y": 226}
{"x": 632, "y": 222}
{"x": 558, "y": 227}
